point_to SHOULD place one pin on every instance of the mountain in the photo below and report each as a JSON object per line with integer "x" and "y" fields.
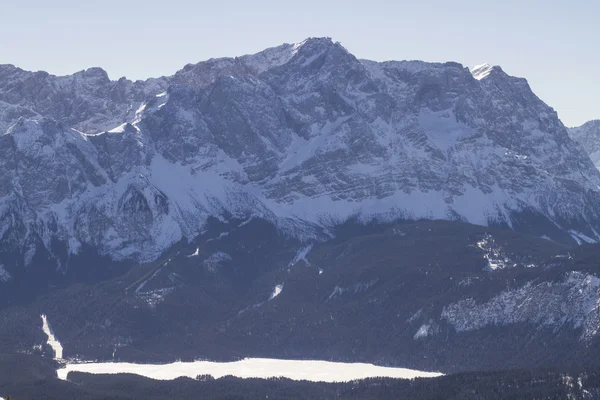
{"x": 588, "y": 136}
{"x": 298, "y": 203}
{"x": 303, "y": 135}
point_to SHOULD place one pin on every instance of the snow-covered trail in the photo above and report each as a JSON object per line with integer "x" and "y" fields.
{"x": 52, "y": 340}
{"x": 315, "y": 371}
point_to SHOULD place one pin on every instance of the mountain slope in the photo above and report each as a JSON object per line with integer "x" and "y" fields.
{"x": 306, "y": 136}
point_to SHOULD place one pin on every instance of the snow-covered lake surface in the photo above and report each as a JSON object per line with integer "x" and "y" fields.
{"x": 316, "y": 371}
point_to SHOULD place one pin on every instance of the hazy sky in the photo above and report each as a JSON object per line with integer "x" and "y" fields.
{"x": 555, "y": 44}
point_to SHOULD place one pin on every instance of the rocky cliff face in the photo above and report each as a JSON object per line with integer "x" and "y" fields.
{"x": 306, "y": 136}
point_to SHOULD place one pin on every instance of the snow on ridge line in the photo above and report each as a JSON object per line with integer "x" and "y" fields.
{"x": 311, "y": 370}
{"x": 481, "y": 71}
{"x": 52, "y": 340}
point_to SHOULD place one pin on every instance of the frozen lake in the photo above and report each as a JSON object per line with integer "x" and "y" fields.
{"x": 316, "y": 371}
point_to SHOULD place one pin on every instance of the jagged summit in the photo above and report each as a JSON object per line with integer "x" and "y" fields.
{"x": 93, "y": 73}
{"x": 201, "y": 74}
{"x": 304, "y": 135}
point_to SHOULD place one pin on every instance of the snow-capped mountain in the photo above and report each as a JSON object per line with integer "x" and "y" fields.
{"x": 588, "y": 135}
{"x": 304, "y": 135}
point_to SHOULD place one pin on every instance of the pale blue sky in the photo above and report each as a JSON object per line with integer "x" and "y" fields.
{"x": 554, "y": 44}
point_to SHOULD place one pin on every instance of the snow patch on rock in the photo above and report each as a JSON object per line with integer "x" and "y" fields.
{"x": 481, "y": 71}
{"x": 426, "y": 330}
{"x": 276, "y": 291}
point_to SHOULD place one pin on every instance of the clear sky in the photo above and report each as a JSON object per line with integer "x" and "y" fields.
{"x": 555, "y": 44}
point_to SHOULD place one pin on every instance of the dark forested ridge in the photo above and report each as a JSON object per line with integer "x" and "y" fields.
{"x": 419, "y": 295}
{"x": 376, "y": 293}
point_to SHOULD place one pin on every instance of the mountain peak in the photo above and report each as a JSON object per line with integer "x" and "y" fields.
{"x": 316, "y": 41}
{"x": 95, "y": 73}
{"x": 280, "y": 55}
{"x": 317, "y": 45}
